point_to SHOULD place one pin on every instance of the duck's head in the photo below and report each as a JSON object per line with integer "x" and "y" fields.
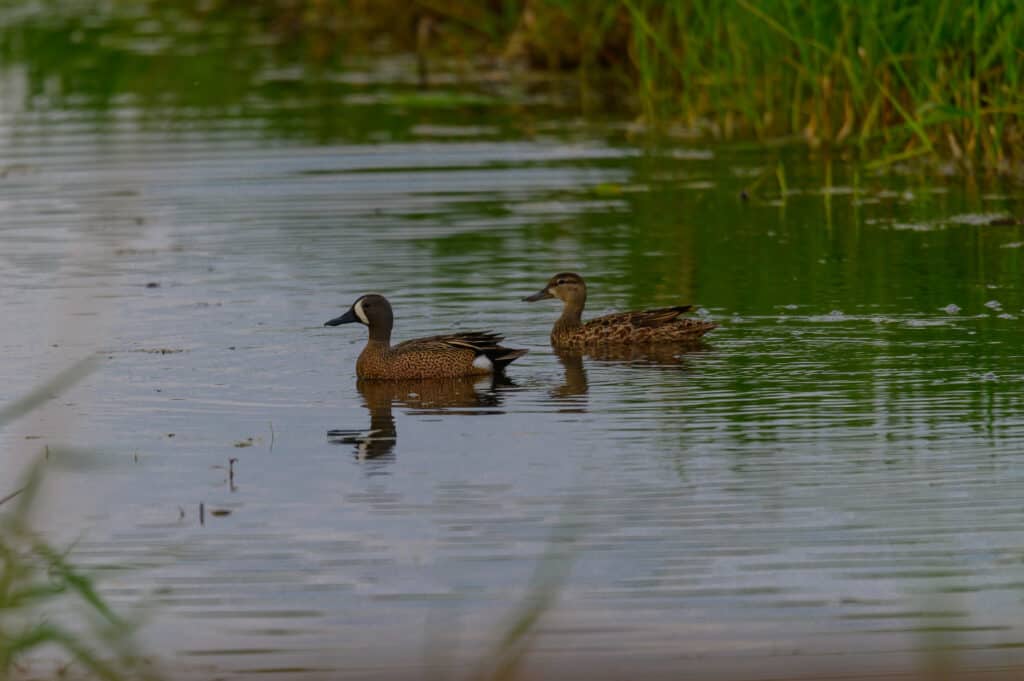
{"x": 372, "y": 310}
{"x": 566, "y": 286}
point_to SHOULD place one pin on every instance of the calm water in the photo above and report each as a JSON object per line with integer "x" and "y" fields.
{"x": 831, "y": 483}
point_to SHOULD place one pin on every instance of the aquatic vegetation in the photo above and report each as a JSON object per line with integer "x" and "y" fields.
{"x": 36, "y": 577}
{"x": 932, "y": 77}
{"x": 935, "y": 73}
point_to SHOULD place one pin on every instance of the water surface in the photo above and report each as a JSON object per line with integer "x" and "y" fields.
{"x": 831, "y": 482}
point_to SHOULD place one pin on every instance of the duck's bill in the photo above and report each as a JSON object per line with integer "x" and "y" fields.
{"x": 542, "y": 294}
{"x": 346, "y": 318}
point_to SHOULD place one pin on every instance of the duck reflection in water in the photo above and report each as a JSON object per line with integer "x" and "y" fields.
{"x": 668, "y": 356}
{"x": 474, "y": 396}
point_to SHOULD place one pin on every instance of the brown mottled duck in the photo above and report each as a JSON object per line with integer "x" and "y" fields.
{"x": 474, "y": 353}
{"x": 648, "y": 327}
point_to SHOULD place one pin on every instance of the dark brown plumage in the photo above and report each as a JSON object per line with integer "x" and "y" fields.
{"x": 445, "y": 356}
{"x": 662, "y": 325}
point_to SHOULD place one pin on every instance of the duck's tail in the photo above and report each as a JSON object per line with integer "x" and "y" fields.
{"x": 501, "y": 357}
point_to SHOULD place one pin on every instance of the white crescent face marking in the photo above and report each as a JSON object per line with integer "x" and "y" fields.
{"x": 360, "y": 313}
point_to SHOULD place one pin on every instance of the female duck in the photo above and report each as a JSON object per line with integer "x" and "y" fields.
{"x": 462, "y": 354}
{"x": 660, "y": 326}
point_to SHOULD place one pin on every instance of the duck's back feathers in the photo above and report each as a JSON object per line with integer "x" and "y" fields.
{"x": 459, "y": 354}
{"x": 662, "y": 325}
{"x": 641, "y": 319}
{"x": 481, "y": 343}
{"x": 477, "y": 341}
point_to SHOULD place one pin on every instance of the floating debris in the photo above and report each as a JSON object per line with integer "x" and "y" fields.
{"x": 153, "y": 284}
{"x": 994, "y": 305}
{"x": 220, "y": 512}
{"x": 692, "y": 154}
{"x": 15, "y": 168}
{"x": 10, "y": 496}
{"x": 606, "y": 189}
{"x": 976, "y": 219}
{"x": 160, "y": 351}
{"x": 990, "y": 376}
{"x": 952, "y": 308}
{"x": 914, "y": 226}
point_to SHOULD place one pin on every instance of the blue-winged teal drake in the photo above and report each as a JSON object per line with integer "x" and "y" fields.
{"x": 663, "y": 325}
{"x": 460, "y": 354}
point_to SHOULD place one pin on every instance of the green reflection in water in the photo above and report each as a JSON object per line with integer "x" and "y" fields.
{"x": 223, "y": 67}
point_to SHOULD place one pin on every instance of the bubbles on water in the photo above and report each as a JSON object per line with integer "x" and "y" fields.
{"x": 990, "y": 376}
{"x": 1007, "y": 315}
{"x": 952, "y": 308}
{"x": 994, "y": 305}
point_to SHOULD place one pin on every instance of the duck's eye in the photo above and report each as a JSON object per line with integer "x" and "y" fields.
{"x": 560, "y": 282}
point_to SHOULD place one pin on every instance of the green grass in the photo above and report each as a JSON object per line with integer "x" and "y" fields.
{"x": 937, "y": 77}
{"x": 50, "y": 610}
{"x": 931, "y": 77}
{"x": 886, "y": 81}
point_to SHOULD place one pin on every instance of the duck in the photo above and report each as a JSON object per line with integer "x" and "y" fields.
{"x": 475, "y": 353}
{"x": 648, "y": 327}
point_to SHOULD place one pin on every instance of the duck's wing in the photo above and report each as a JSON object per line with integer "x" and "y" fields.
{"x": 477, "y": 341}
{"x": 641, "y": 319}
{"x": 486, "y": 343}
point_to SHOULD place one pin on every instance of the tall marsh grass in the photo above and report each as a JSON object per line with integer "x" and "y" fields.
{"x": 890, "y": 80}
{"x": 42, "y": 591}
{"x": 935, "y": 75}
{"x": 894, "y": 80}
{"x": 899, "y": 79}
